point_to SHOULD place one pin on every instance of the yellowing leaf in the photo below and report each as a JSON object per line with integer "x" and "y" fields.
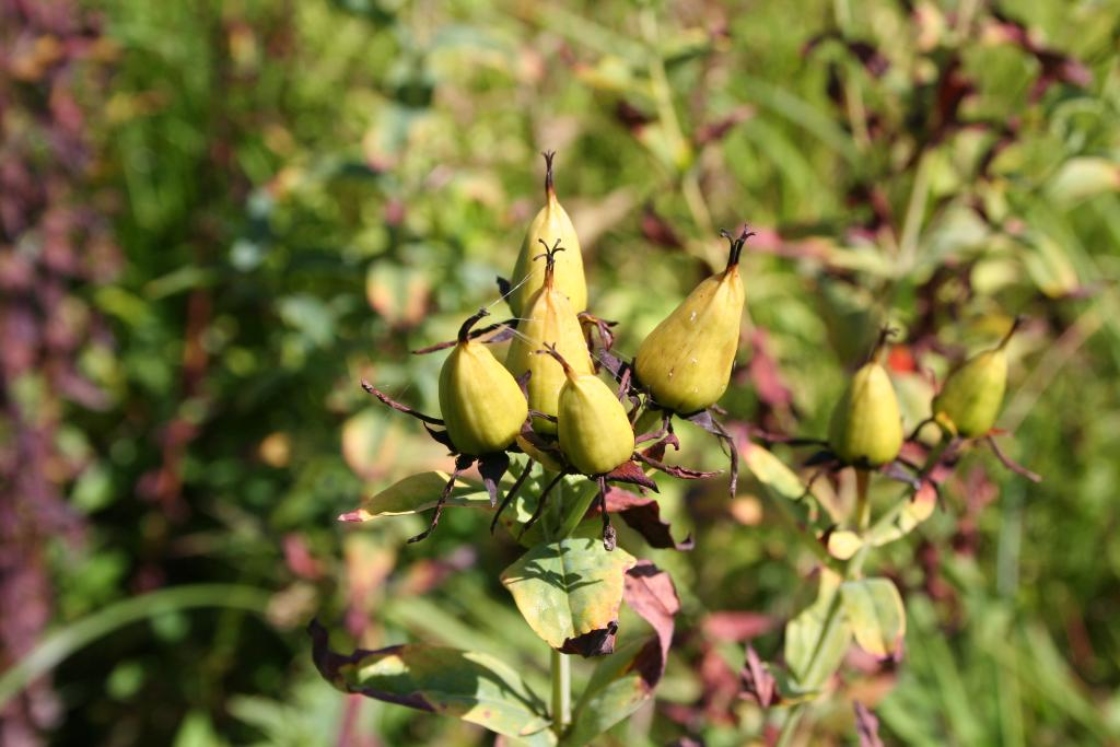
{"x": 877, "y": 617}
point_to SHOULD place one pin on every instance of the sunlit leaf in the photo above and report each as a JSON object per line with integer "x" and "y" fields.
{"x": 877, "y": 617}
{"x": 569, "y": 588}
{"x": 417, "y": 493}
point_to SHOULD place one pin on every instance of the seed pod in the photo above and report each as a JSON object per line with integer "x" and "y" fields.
{"x": 549, "y": 320}
{"x": 969, "y": 401}
{"x": 482, "y": 405}
{"x": 551, "y": 226}
{"x": 594, "y": 433}
{"x": 686, "y": 360}
{"x": 866, "y": 426}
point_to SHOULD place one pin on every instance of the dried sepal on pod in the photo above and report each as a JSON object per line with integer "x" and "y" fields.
{"x": 551, "y": 225}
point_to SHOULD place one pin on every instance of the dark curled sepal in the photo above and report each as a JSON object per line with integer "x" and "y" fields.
{"x": 594, "y": 643}
{"x": 705, "y": 420}
{"x": 643, "y": 515}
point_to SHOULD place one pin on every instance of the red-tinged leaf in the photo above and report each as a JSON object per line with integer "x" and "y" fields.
{"x": 765, "y": 374}
{"x": 657, "y": 230}
{"x": 631, "y": 473}
{"x": 867, "y": 726}
{"x": 470, "y": 686}
{"x": 650, "y": 592}
{"x": 643, "y": 515}
{"x": 738, "y": 626}
{"x": 757, "y": 681}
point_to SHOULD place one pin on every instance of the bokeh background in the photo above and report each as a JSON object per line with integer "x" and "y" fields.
{"x": 217, "y": 217}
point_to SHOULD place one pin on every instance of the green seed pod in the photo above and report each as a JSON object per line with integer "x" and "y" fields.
{"x": 969, "y": 401}
{"x": 551, "y": 226}
{"x": 594, "y": 433}
{"x": 482, "y": 405}
{"x": 549, "y": 320}
{"x": 686, "y": 360}
{"x": 866, "y": 426}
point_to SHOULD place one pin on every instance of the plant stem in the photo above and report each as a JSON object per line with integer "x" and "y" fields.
{"x": 561, "y": 666}
{"x": 863, "y": 505}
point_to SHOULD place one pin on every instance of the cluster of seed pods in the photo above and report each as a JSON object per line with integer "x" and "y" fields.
{"x": 550, "y": 398}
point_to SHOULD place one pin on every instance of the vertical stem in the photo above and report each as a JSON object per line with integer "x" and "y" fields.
{"x": 863, "y": 505}
{"x": 561, "y": 666}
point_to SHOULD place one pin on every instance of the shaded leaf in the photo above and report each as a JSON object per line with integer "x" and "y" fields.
{"x": 619, "y": 686}
{"x": 470, "y": 686}
{"x": 569, "y": 588}
{"x": 416, "y": 493}
{"x": 817, "y": 639}
{"x": 878, "y": 619}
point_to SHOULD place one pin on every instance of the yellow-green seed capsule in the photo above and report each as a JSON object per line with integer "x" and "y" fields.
{"x": 969, "y": 401}
{"x": 549, "y": 320}
{"x": 866, "y": 426}
{"x": 686, "y": 360}
{"x": 594, "y": 433}
{"x": 551, "y": 225}
{"x": 482, "y": 405}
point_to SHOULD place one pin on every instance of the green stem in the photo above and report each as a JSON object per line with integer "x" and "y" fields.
{"x": 574, "y": 513}
{"x": 912, "y": 223}
{"x": 561, "y": 692}
{"x": 863, "y": 505}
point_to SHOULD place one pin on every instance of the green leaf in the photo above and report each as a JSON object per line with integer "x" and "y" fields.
{"x": 818, "y": 638}
{"x": 470, "y": 686}
{"x": 877, "y": 617}
{"x": 1081, "y": 178}
{"x": 618, "y": 687}
{"x": 417, "y": 493}
{"x": 569, "y": 588}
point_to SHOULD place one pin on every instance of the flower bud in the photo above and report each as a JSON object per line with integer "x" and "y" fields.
{"x": 686, "y": 360}
{"x": 866, "y": 426}
{"x": 594, "y": 433}
{"x": 549, "y": 320}
{"x": 551, "y": 226}
{"x": 482, "y": 405}
{"x": 970, "y": 399}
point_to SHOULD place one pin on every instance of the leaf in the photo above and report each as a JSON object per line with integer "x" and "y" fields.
{"x": 919, "y": 508}
{"x": 618, "y": 687}
{"x": 569, "y": 588}
{"x": 1082, "y": 178}
{"x": 814, "y": 648}
{"x": 757, "y": 681}
{"x": 780, "y": 481}
{"x": 877, "y": 617}
{"x": 470, "y": 686}
{"x": 867, "y": 726}
{"x": 416, "y": 493}
{"x": 650, "y": 592}
{"x": 643, "y": 515}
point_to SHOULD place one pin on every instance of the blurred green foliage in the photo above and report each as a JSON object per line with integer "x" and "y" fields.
{"x": 303, "y": 192}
